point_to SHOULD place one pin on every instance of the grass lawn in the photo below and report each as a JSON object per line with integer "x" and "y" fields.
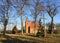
{"x": 56, "y": 35}
{"x": 17, "y": 38}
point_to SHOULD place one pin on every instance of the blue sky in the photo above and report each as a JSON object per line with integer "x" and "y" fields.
{"x": 15, "y": 18}
{"x": 56, "y": 18}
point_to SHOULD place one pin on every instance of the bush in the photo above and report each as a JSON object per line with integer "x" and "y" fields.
{"x": 40, "y": 34}
{"x": 14, "y": 31}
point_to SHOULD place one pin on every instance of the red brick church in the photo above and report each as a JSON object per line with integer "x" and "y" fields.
{"x": 30, "y": 26}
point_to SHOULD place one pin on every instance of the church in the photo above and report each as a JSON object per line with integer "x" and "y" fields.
{"x": 30, "y": 26}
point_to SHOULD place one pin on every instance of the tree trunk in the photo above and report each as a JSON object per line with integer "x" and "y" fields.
{"x": 52, "y": 26}
{"x": 4, "y": 30}
{"x": 35, "y": 24}
{"x": 5, "y": 24}
{"x": 21, "y": 24}
{"x": 44, "y": 26}
{"x": 35, "y": 29}
{"x": 44, "y": 29}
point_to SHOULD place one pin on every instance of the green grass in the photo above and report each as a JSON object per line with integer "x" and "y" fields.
{"x": 56, "y": 35}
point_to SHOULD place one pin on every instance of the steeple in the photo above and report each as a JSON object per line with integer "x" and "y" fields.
{"x": 27, "y": 20}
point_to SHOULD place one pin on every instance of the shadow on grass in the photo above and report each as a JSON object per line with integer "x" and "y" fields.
{"x": 13, "y": 40}
{"x": 30, "y": 35}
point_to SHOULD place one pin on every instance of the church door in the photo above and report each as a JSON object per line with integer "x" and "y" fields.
{"x": 28, "y": 29}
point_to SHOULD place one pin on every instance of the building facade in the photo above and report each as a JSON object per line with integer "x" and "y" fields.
{"x": 30, "y": 26}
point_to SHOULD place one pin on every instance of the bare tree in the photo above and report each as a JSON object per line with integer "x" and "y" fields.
{"x": 21, "y": 11}
{"x": 5, "y": 12}
{"x": 6, "y": 18}
{"x": 52, "y": 11}
{"x": 38, "y": 8}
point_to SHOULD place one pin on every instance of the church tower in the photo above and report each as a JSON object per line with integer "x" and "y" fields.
{"x": 27, "y": 25}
